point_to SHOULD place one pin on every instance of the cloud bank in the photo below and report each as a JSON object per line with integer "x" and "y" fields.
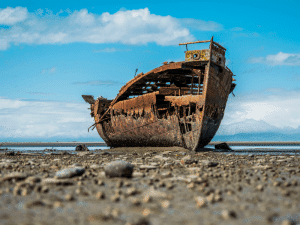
{"x": 44, "y": 119}
{"x": 125, "y": 26}
{"x": 280, "y": 59}
{"x": 268, "y": 111}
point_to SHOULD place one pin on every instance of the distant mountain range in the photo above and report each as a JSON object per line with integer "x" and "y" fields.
{"x": 253, "y": 130}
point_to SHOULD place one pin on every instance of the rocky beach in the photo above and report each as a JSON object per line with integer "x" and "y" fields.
{"x": 149, "y": 186}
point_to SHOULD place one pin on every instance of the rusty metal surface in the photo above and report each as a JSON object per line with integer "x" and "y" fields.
{"x": 176, "y": 104}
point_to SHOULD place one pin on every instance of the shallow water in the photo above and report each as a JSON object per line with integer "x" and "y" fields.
{"x": 238, "y": 150}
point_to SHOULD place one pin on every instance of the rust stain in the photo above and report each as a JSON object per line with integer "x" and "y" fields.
{"x": 176, "y": 104}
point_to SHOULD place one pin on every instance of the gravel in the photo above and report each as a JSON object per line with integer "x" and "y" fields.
{"x": 149, "y": 186}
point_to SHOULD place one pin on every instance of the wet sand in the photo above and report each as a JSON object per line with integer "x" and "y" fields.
{"x": 168, "y": 186}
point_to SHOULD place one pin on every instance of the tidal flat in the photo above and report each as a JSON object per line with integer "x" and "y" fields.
{"x": 166, "y": 186}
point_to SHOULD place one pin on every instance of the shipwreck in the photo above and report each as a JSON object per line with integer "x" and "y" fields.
{"x": 176, "y": 104}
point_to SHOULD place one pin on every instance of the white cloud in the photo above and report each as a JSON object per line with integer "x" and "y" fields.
{"x": 280, "y": 59}
{"x": 10, "y": 16}
{"x": 268, "y": 111}
{"x": 125, "y": 26}
{"x": 260, "y": 112}
{"x": 44, "y": 119}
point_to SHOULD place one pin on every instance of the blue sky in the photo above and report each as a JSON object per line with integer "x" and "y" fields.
{"x": 53, "y": 52}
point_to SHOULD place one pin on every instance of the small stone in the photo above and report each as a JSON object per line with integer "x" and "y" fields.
{"x": 187, "y": 160}
{"x": 119, "y": 184}
{"x": 276, "y": 183}
{"x": 100, "y": 183}
{"x": 57, "y": 204}
{"x": 25, "y": 192}
{"x": 17, "y": 190}
{"x": 115, "y": 212}
{"x": 294, "y": 183}
{"x": 33, "y": 180}
{"x": 54, "y": 181}
{"x": 201, "y": 202}
{"x": 80, "y": 148}
{"x": 146, "y": 212}
{"x": 140, "y": 221}
{"x": 34, "y": 204}
{"x": 166, "y": 204}
{"x": 148, "y": 167}
{"x": 15, "y": 175}
{"x": 191, "y": 185}
{"x": 287, "y": 222}
{"x": 210, "y": 198}
{"x": 81, "y": 191}
{"x": 69, "y": 197}
{"x": 223, "y": 145}
{"x": 119, "y": 169}
{"x": 147, "y": 198}
{"x": 170, "y": 186}
{"x": 100, "y": 195}
{"x": 135, "y": 201}
{"x": 228, "y": 214}
{"x": 132, "y": 191}
{"x": 218, "y": 198}
{"x": 69, "y": 172}
{"x": 115, "y": 198}
{"x": 44, "y": 189}
{"x": 138, "y": 174}
{"x": 209, "y": 163}
{"x": 95, "y": 166}
{"x": 260, "y": 187}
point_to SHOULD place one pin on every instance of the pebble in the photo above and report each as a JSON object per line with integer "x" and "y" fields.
{"x": 132, "y": 191}
{"x": 54, "y": 181}
{"x": 166, "y": 204}
{"x": 287, "y": 222}
{"x": 135, "y": 201}
{"x": 115, "y": 198}
{"x": 187, "y": 160}
{"x": 228, "y": 214}
{"x": 201, "y": 202}
{"x": 15, "y": 175}
{"x": 209, "y": 163}
{"x": 148, "y": 167}
{"x": 69, "y": 172}
{"x": 119, "y": 169}
{"x": 260, "y": 187}
{"x": 100, "y": 195}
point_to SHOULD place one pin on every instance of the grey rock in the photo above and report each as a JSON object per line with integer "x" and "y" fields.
{"x": 223, "y": 146}
{"x": 81, "y": 148}
{"x": 69, "y": 172}
{"x": 209, "y": 163}
{"x": 119, "y": 169}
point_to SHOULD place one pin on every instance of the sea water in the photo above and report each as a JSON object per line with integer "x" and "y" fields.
{"x": 239, "y": 150}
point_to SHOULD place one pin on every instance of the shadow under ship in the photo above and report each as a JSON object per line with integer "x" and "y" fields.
{"x": 176, "y": 104}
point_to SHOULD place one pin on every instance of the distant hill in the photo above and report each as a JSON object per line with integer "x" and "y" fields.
{"x": 264, "y": 136}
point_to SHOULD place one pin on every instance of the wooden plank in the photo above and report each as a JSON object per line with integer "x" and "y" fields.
{"x": 194, "y": 42}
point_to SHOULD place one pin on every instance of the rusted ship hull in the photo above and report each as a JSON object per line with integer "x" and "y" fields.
{"x": 177, "y": 104}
